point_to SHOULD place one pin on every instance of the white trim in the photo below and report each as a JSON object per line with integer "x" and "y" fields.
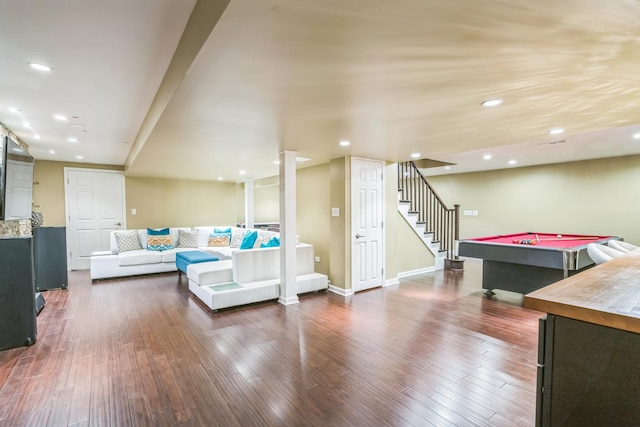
{"x": 416, "y": 272}
{"x": 391, "y": 282}
{"x": 340, "y": 291}
{"x": 289, "y": 301}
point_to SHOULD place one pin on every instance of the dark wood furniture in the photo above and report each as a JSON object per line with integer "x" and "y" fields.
{"x": 17, "y": 293}
{"x": 50, "y": 257}
{"x": 523, "y": 268}
{"x": 589, "y": 343}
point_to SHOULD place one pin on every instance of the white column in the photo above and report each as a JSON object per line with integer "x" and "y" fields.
{"x": 288, "y": 284}
{"x": 248, "y": 203}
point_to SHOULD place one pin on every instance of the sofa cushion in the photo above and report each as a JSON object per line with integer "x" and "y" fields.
{"x": 187, "y": 238}
{"x": 127, "y": 240}
{"x": 262, "y": 238}
{"x": 159, "y": 239}
{"x": 217, "y": 240}
{"x": 138, "y": 257}
{"x": 170, "y": 255}
{"x": 249, "y": 240}
{"x": 207, "y": 273}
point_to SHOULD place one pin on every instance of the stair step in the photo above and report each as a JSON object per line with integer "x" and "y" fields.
{"x": 413, "y": 213}
{"x": 421, "y": 222}
{"x": 404, "y": 201}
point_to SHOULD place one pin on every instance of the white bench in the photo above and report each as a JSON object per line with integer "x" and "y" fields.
{"x": 252, "y": 276}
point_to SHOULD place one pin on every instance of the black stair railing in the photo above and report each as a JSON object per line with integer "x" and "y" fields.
{"x": 442, "y": 221}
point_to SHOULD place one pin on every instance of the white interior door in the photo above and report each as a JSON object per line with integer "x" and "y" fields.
{"x": 367, "y": 215}
{"x": 94, "y": 207}
{"x": 19, "y": 190}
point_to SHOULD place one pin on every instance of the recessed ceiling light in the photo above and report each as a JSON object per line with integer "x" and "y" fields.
{"x": 37, "y": 136}
{"x": 556, "y": 131}
{"x": 79, "y": 157}
{"x": 636, "y": 136}
{"x": 27, "y": 125}
{"x": 60, "y": 117}
{"x": 40, "y": 67}
{"x": 512, "y": 162}
{"x": 52, "y": 152}
{"x": 242, "y": 172}
{"x": 72, "y": 139}
{"x": 302, "y": 159}
{"x": 345, "y": 143}
{"x": 415, "y": 155}
{"x": 487, "y": 157}
{"x": 447, "y": 168}
{"x": 220, "y": 178}
{"x": 276, "y": 162}
{"x": 14, "y": 110}
{"x": 492, "y": 102}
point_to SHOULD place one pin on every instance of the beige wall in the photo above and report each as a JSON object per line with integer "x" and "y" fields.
{"x": 266, "y": 199}
{"x": 314, "y": 212}
{"x": 179, "y": 203}
{"x": 340, "y": 227}
{"x": 588, "y": 197}
{"x": 48, "y": 188}
{"x": 412, "y": 253}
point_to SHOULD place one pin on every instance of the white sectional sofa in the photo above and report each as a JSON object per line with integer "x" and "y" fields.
{"x": 253, "y": 275}
{"x": 113, "y": 263}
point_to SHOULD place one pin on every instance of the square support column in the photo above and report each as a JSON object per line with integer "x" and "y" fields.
{"x": 288, "y": 261}
{"x": 248, "y": 204}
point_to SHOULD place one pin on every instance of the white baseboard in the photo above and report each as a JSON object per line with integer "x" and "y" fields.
{"x": 416, "y": 272}
{"x": 391, "y": 282}
{"x": 340, "y": 291}
{"x": 288, "y": 301}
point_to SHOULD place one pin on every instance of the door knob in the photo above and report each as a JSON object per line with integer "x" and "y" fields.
{"x": 359, "y": 236}
{"x": 118, "y": 224}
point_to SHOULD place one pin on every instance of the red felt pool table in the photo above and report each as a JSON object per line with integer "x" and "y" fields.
{"x": 524, "y": 268}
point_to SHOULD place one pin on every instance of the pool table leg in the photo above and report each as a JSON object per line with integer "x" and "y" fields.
{"x": 488, "y": 292}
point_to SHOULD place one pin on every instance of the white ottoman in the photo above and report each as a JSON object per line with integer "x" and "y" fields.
{"x": 208, "y": 273}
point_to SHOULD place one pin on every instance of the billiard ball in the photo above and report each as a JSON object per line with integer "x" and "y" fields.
{"x": 559, "y": 236}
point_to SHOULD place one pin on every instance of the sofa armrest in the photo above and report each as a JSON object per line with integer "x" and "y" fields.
{"x": 101, "y": 253}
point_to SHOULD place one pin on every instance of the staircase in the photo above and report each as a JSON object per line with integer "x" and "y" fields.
{"x": 437, "y": 225}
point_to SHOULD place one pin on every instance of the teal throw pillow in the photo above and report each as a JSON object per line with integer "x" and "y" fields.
{"x": 273, "y": 243}
{"x": 249, "y": 240}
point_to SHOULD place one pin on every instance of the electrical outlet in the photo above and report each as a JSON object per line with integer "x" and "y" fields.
{"x": 133, "y": 211}
{"x": 317, "y": 259}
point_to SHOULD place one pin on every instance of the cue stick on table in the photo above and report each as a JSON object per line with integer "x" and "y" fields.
{"x": 568, "y": 238}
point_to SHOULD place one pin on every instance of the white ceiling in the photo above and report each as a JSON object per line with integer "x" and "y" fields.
{"x": 391, "y": 77}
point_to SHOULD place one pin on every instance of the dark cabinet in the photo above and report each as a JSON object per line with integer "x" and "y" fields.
{"x": 17, "y": 291}
{"x": 50, "y": 254}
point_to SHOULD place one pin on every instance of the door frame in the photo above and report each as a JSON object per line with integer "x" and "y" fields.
{"x": 383, "y": 209}
{"x": 67, "y": 214}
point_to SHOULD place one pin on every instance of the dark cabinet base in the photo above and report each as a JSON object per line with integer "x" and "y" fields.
{"x": 589, "y": 375}
{"x": 17, "y": 293}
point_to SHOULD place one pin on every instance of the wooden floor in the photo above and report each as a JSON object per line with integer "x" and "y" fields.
{"x": 141, "y": 351}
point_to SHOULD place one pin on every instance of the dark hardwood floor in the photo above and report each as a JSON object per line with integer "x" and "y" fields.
{"x": 140, "y": 351}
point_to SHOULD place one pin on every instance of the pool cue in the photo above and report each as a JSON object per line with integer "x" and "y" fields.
{"x": 537, "y": 238}
{"x": 570, "y": 238}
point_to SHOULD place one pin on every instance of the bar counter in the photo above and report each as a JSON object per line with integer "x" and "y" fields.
{"x": 589, "y": 346}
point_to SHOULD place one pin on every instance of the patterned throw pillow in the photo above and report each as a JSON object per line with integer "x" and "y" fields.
{"x": 159, "y": 239}
{"x": 220, "y": 237}
{"x": 187, "y": 239}
{"x": 127, "y": 240}
{"x": 236, "y": 237}
{"x": 218, "y": 240}
{"x": 260, "y": 240}
{"x": 273, "y": 243}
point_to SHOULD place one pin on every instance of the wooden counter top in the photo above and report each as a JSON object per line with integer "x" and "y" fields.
{"x": 607, "y": 294}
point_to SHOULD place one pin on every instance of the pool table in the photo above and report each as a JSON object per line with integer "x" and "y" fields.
{"x": 523, "y": 268}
